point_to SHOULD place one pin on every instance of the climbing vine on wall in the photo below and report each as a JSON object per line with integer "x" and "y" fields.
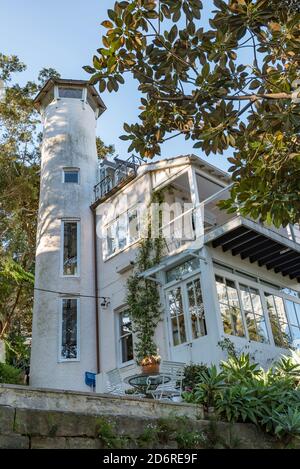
{"x": 143, "y": 295}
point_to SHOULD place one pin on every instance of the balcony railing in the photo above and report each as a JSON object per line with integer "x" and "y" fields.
{"x": 123, "y": 171}
{"x": 198, "y": 221}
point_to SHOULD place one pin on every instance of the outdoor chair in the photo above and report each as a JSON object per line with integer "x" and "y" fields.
{"x": 116, "y": 385}
{"x": 171, "y": 386}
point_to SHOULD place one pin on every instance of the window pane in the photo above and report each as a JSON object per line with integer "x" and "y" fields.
{"x": 125, "y": 337}
{"x": 70, "y": 92}
{"x": 182, "y": 269}
{"x": 196, "y": 309}
{"x": 280, "y": 309}
{"x": 291, "y": 312}
{"x": 221, "y": 289}
{"x": 182, "y": 328}
{"x": 276, "y": 331}
{"x": 133, "y": 223}
{"x": 122, "y": 231}
{"x": 175, "y": 332}
{"x": 238, "y": 328}
{"x": 70, "y": 248}
{"x": 286, "y": 335}
{"x": 256, "y": 301}
{"x": 226, "y": 318}
{"x": 125, "y": 324}
{"x": 69, "y": 329}
{"x": 177, "y": 316}
{"x": 231, "y": 313}
{"x": 232, "y": 293}
{"x": 111, "y": 238}
{"x": 296, "y": 336}
{"x": 297, "y": 309}
{"x": 71, "y": 176}
{"x": 127, "y": 348}
{"x": 246, "y": 299}
{"x": 251, "y": 325}
{"x": 262, "y": 331}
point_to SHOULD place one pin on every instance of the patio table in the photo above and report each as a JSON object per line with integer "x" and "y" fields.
{"x": 141, "y": 383}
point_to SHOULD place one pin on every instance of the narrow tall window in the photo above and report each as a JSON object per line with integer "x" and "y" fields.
{"x": 278, "y": 319}
{"x": 177, "y": 316}
{"x": 293, "y": 312}
{"x": 230, "y": 307}
{"x": 196, "y": 308}
{"x": 69, "y": 329}
{"x": 254, "y": 314}
{"x": 125, "y": 337}
{"x": 70, "y": 247}
{"x": 71, "y": 175}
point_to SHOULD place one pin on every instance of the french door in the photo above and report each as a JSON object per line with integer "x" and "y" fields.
{"x": 186, "y": 318}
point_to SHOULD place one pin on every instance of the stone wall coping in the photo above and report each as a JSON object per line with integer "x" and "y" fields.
{"x": 89, "y": 395}
{"x": 25, "y": 397}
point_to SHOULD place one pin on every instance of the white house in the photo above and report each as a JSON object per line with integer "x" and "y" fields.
{"x": 225, "y": 276}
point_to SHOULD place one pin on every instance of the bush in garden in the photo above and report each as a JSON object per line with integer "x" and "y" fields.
{"x": 191, "y": 375}
{"x": 10, "y": 375}
{"x": 243, "y": 392}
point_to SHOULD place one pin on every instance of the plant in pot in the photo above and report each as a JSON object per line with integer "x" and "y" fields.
{"x": 150, "y": 364}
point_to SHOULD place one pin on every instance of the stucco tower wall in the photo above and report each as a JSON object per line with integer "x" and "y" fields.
{"x": 68, "y": 141}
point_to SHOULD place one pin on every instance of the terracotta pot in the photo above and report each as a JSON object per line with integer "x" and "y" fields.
{"x": 151, "y": 368}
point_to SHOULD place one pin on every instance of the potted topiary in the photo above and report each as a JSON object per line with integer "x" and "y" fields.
{"x": 150, "y": 364}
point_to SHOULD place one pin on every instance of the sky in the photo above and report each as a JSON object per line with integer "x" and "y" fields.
{"x": 64, "y": 34}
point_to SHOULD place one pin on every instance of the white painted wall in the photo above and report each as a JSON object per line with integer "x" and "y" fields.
{"x": 204, "y": 349}
{"x": 68, "y": 141}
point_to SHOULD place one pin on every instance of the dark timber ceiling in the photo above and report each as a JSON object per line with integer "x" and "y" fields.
{"x": 257, "y": 247}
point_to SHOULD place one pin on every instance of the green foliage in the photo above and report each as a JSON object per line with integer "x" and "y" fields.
{"x": 191, "y": 377}
{"x": 243, "y": 392}
{"x": 228, "y": 346}
{"x": 104, "y": 151}
{"x": 143, "y": 295}
{"x": 197, "y": 82}
{"x": 163, "y": 432}
{"x": 20, "y": 141}
{"x": 239, "y": 369}
{"x": 210, "y": 384}
{"x": 10, "y": 374}
{"x": 107, "y": 433}
{"x": 287, "y": 423}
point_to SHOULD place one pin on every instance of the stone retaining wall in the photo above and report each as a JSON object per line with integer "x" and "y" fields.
{"x": 34, "y": 418}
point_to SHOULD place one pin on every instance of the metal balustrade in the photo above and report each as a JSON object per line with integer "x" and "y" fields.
{"x": 123, "y": 171}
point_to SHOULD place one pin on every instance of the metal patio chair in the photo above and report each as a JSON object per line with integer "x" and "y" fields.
{"x": 172, "y": 378}
{"x": 116, "y": 385}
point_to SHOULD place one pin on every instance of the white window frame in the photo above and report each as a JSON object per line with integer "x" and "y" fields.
{"x": 69, "y": 169}
{"x": 74, "y": 87}
{"x": 60, "y": 358}
{"x": 63, "y": 221}
{"x": 182, "y": 284}
{"x": 106, "y": 254}
{"x": 262, "y": 289}
{"x": 120, "y": 363}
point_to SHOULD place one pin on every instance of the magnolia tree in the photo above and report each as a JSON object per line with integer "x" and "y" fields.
{"x": 233, "y": 86}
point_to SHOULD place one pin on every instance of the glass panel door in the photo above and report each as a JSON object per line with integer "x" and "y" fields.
{"x": 177, "y": 318}
{"x": 196, "y": 308}
{"x": 186, "y": 317}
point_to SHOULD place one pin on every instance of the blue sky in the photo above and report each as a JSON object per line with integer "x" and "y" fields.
{"x": 64, "y": 34}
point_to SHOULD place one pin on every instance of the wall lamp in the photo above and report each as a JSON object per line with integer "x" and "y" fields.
{"x": 105, "y": 301}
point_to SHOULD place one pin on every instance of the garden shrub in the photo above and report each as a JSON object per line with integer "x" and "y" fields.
{"x": 242, "y": 391}
{"x": 191, "y": 375}
{"x": 10, "y": 374}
